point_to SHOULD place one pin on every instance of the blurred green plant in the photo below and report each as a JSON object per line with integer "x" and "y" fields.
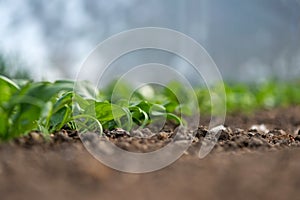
{"x": 270, "y": 94}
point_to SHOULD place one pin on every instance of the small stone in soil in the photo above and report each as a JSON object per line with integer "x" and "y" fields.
{"x": 255, "y": 142}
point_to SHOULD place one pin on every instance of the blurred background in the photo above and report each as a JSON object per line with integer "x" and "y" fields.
{"x": 250, "y": 40}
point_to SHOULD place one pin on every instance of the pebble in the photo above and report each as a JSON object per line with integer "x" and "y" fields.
{"x": 62, "y": 136}
{"x": 163, "y": 135}
{"x": 262, "y": 129}
{"x": 241, "y": 140}
{"x": 278, "y": 132}
{"x": 37, "y": 137}
{"x": 118, "y": 132}
{"x": 255, "y": 142}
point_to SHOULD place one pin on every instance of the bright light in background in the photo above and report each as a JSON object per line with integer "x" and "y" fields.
{"x": 25, "y": 41}
{"x": 53, "y": 38}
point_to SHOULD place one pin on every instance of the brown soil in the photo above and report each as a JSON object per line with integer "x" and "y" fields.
{"x": 245, "y": 164}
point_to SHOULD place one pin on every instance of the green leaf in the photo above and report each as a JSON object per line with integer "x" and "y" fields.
{"x": 139, "y": 116}
{"x": 4, "y": 125}
{"x": 7, "y": 89}
{"x": 107, "y": 111}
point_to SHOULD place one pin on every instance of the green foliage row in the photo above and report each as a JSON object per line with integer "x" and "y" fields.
{"x": 48, "y": 107}
{"x": 270, "y": 94}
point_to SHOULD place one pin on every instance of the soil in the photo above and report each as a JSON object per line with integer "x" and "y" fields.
{"x": 257, "y": 157}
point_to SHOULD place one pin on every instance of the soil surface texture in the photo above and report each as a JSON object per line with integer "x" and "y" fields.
{"x": 256, "y": 157}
